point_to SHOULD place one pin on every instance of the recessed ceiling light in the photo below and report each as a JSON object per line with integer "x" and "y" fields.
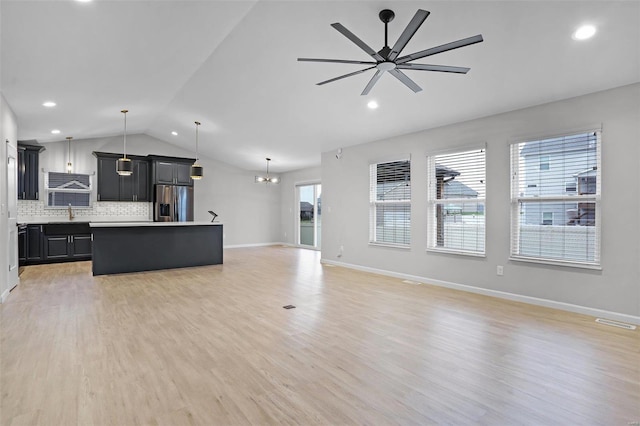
{"x": 174, "y": 133}
{"x": 49, "y": 104}
{"x": 83, "y": 1}
{"x": 372, "y": 104}
{"x": 55, "y": 131}
{"x": 584, "y": 32}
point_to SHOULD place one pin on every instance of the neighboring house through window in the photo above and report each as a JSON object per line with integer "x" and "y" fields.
{"x": 555, "y": 212}
{"x": 390, "y": 203}
{"x": 456, "y": 198}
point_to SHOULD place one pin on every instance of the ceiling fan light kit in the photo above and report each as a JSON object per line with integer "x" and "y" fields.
{"x": 388, "y": 59}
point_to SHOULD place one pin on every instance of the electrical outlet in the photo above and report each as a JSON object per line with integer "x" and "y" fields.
{"x": 500, "y": 270}
{"x": 341, "y": 251}
{"x": 285, "y": 235}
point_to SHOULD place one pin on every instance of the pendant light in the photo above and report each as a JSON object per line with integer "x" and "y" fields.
{"x": 69, "y": 166}
{"x": 196, "y": 169}
{"x": 267, "y": 178}
{"x": 124, "y": 167}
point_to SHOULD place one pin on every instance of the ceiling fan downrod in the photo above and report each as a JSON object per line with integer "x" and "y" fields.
{"x": 386, "y": 16}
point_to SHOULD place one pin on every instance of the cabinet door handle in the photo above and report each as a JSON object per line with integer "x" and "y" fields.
{"x": 36, "y": 195}
{"x": 98, "y": 197}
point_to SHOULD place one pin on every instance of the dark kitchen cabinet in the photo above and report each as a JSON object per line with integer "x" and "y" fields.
{"x": 34, "y": 243}
{"x": 56, "y": 242}
{"x": 113, "y": 187}
{"x": 171, "y": 170}
{"x": 66, "y": 247}
{"x": 67, "y": 241}
{"x": 136, "y": 186}
{"x": 28, "y": 163}
{"x": 108, "y": 179}
{"x": 22, "y": 244}
{"x": 56, "y": 247}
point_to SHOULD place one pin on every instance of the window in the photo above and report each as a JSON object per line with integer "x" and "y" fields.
{"x": 390, "y": 203}
{"x": 544, "y": 162}
{"x": 67, "y": 189}
{"x": 555, "y": 213}
{"x": 457, "y": 202}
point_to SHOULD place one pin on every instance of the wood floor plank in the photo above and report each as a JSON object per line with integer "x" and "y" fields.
{"x": 213, "y": 345}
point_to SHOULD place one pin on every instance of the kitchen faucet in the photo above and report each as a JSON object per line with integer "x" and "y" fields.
{"x": 71, "y": 216}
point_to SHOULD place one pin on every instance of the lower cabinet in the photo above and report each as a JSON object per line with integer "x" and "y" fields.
{"x": 22, "y": 245}
{"x": 58, "y": 247}
{"x": 55, "y": 243}
{"x": 34, "y": 243}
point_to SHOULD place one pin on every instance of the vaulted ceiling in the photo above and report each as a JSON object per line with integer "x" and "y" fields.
{"x": 232, "y": 66}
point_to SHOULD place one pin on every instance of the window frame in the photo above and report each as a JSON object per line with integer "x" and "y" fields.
{"x": 49, "y": 190}
{"x": 433, "y": 202}
{"x": 517, "y": 199}
{"x": 374, "y": 203}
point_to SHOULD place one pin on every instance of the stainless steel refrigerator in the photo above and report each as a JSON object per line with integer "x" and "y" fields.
{"x": 173, "y": 203}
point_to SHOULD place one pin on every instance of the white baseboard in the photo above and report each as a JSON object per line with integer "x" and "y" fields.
{"x": 253, "y": 245}
{"x": 599, "y": 313}
{"x": 4, "y": 296}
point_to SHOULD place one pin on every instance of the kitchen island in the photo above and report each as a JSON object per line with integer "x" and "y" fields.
{"x": 120, "y": 247}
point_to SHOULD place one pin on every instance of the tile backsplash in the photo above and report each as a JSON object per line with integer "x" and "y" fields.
{"x": 99, "y": 211}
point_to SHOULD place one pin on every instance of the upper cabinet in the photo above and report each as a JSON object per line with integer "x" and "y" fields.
{"x": 147, "y": 171}
{"x": 171, "y": 170}
{"x": 113, "y": 187}
{"x": 28, "y": 164}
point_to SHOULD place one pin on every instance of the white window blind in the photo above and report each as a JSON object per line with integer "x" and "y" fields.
{"x": 456, "y": 197}
{"x": 390, "y": 203}
{"x": 555, "y": 210}
{"x": 67, "y": 189}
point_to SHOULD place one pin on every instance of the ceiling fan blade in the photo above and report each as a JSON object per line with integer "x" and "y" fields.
{"x": 405, "y": 80}
{"x": 337, "y": 61}
{"x": 344, "y": 76}
{"x": 440, "y": 68}
{"x": 361, "y": 44}
{"x": 408, "y": 32}
{"x": 442, "y": 48}
{"x": 372, "y": 82}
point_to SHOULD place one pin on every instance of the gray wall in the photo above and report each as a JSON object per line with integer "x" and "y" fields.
{"x": 8, "y": 131}
{"x": 616, "y": 288}
{"x": 250, "y": 212}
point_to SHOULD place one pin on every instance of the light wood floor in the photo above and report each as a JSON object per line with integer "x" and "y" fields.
{"x": 213, "y": 346}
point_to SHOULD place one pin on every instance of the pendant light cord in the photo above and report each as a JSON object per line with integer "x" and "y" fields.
{"x": 124, "y": 111}
{"x": 197, "y": 125}
{"x": 69, "y": 154}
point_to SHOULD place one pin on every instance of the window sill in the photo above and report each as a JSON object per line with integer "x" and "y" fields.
{"x": 557, "y": 263}
{"x": 389, "y": 245}
{"x": 458, "y": 252}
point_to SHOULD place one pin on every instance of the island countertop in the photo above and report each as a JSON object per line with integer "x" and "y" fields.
{"x": 140, "y": 224}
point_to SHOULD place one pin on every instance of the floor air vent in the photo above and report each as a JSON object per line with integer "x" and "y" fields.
{"x": 616, "y": 324}
{"x": 288, "y": 306}
{"x": 411, "y": 282}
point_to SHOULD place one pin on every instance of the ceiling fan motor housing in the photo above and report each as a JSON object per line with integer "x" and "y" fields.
{"x": 386, "y": 15}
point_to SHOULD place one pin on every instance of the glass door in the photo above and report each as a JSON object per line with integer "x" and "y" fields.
{"x": 309, "y": 214}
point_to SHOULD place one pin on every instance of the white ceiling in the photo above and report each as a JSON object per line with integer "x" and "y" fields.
{"x": 232, "y": 65}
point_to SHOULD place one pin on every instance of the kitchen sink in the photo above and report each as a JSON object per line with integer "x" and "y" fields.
{"x": 66, "y": 228}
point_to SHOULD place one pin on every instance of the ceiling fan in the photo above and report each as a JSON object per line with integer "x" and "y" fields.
{"x": 388, "y": 59}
